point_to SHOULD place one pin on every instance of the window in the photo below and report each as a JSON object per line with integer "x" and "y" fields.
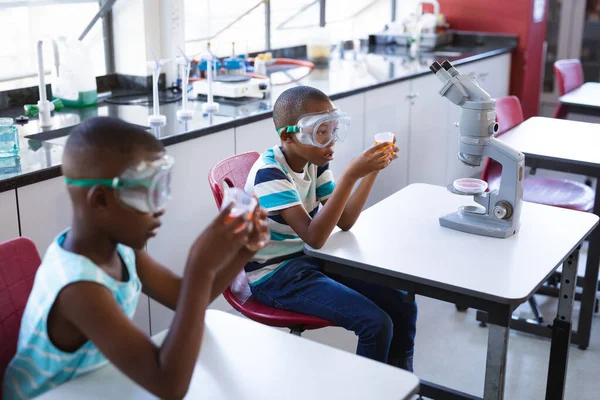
{"x": 25, "y": 22}
{"x": 222, "y": 23}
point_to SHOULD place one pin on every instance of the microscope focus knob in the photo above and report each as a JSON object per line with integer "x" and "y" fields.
{"x": 503, "y": 210}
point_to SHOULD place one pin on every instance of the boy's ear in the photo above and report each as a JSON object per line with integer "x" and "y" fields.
{"x": 97, "y": 197}
{"x": 286, "y": 137}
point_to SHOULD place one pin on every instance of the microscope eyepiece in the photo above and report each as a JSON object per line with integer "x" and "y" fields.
{"x": 435, "y": 67}
{"x": 446, "y": 64}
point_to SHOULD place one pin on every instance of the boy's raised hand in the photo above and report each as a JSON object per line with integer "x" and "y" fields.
{"x": 220, "y": 241}
{"x": 260, "y": 235}
{"x": 373, "y": 159}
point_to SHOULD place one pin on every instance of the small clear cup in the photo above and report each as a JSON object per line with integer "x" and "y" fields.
{"x": 244, "y": 203}
{"x": 383, "y": 137}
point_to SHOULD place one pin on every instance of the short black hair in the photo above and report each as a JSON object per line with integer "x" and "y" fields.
{"x": 291, "y": 104}
{"x": 113, "y": 134}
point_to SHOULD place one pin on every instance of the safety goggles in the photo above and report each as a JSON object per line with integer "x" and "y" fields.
{"x": 145, "y": 187}
{"x": 320, "y": 129}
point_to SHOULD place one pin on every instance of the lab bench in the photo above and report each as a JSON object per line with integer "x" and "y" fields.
{"x": 381, "y": 91}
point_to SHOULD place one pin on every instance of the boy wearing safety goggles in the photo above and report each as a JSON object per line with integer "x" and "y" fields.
{"x": 294, "y": 184}
{"x": 78, "y": 316}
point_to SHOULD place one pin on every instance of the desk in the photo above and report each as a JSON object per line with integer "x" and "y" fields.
{"x": 567, "y": 146}
{"x": 400, "y": 243}
{"x": 241, "y": 359}
{"x": 583, "y": 100}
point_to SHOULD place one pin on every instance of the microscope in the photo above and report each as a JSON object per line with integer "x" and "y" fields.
{"x": 498, "y": 211}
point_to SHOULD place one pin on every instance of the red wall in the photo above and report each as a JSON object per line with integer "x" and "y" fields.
{"x": 513, "y": 17}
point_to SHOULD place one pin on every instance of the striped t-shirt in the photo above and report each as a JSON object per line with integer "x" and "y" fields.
{"x": 278, "y": 187}
{"x": 40, "y": 366}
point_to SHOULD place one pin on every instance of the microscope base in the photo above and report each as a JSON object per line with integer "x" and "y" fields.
{"x": 478, "y": 224}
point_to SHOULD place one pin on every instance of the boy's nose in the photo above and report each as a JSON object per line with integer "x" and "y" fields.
{"x": 159, "y": 214}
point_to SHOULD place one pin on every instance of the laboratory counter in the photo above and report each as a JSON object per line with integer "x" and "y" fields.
{"x": 348, "y": 73}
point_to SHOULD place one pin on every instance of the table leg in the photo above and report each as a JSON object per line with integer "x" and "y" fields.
{"x": 495, "y": 368}
{"x": 590, "y": 283}
{"x": 561, "y": 330}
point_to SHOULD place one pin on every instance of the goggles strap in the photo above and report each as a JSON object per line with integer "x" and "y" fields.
{"x": 288, "y": 129}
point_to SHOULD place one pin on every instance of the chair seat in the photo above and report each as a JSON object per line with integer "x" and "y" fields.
{"x": 562, "y": 193}
{"x": 240, "y": 297}
{"x": 271, "y": 316}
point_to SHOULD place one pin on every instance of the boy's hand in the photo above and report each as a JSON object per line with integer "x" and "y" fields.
{"x": 260, "y": 234}
{"x": 371, "y": 160}
{"x": 220, "y": 241}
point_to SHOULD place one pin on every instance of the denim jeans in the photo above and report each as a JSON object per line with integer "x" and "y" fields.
{"x": 384, "y": 323}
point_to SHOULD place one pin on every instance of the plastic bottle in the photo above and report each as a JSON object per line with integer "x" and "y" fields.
{"x": 76, "y": 83}
{"x": 9, "y": 138}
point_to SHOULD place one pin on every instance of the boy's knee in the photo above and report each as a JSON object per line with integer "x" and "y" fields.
{"x": 380, "y": 325}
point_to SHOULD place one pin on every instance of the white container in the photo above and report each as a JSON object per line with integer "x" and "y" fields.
{"x": 74, "y": 82}
{"x": 318, "y": 47}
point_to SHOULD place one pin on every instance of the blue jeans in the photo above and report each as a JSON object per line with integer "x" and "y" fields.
{"x": 384, "y": 323}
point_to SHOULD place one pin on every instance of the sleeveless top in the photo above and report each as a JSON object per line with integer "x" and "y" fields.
{"x": 38, "y": 365}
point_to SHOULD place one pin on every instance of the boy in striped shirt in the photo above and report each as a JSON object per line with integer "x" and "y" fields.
{"x": 294, "y": 184}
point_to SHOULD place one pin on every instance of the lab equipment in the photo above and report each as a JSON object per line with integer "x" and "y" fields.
{"x": 498, "y": 212}
{"x": 207, "y": 84}
{"x": 156, "y": 120}
{"x": 145, "y": 187}
{"x": 244, "y": 203}
{"x": 184, "y": 72}
{"x": 31, "y": 110}
{"x": 9, "y": 138}
{"x": 76, "y": 84}
{"x": 45, "y": 107}
{"x": 470, "y": 186}
{"x": 320, "y": 129}
{"x": 318, "y": 48}
{"x": 382, "y": 137}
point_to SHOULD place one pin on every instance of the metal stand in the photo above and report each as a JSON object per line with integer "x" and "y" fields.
{"x": 561, "y": 331}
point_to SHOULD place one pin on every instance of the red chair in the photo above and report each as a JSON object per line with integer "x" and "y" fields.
{"x": 19, "y": 261}
{"x": 549, "y": 191}
{"x": 569, "y": 76}
{"x": 233, "y": 172}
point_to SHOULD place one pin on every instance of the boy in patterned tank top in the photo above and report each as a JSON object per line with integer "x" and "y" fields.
{"x": 78, "y": 316}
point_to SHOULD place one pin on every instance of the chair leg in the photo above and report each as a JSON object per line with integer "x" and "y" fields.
{"x": 536, "y": 310}
{"x": 296, "y": 331}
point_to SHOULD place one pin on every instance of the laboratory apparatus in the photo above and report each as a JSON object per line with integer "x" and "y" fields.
{"x": 498, "y": 211}
{"x": 45, "y": 107}
{"x": 184, "y": 72}
{"x": 156, "y": 120}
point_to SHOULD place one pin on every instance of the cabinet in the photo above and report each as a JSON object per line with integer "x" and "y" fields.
{"x": 428, "y": 132}
{"x": 354, "y": 143}
{"x": 387, "y": 109}
{"x": 9, "y": 221}
{"x": 257, "y": 136}
{"x": 45, "y": 211}
{"x": 190, "y": 210}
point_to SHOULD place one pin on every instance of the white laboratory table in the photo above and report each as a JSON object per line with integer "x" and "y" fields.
{"x": 399, "y": 243}
{"x": 567, "y": 146}
{"x": 583, "y": 100}
{"x": 242, "y": 360}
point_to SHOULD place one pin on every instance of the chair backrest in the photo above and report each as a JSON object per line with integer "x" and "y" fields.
{"x": 569, "y": 75}
{"x": 232, "y": 171}
{"x": 508, "y": 115}
{"x": 19, "y": 261}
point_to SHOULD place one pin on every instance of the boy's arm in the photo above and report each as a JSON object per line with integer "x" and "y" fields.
{"x": 357, "y": 200}
{"x": 316, "y": 231}
{"x": 166, "y": 370}
{"x": 162, "y": 285}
